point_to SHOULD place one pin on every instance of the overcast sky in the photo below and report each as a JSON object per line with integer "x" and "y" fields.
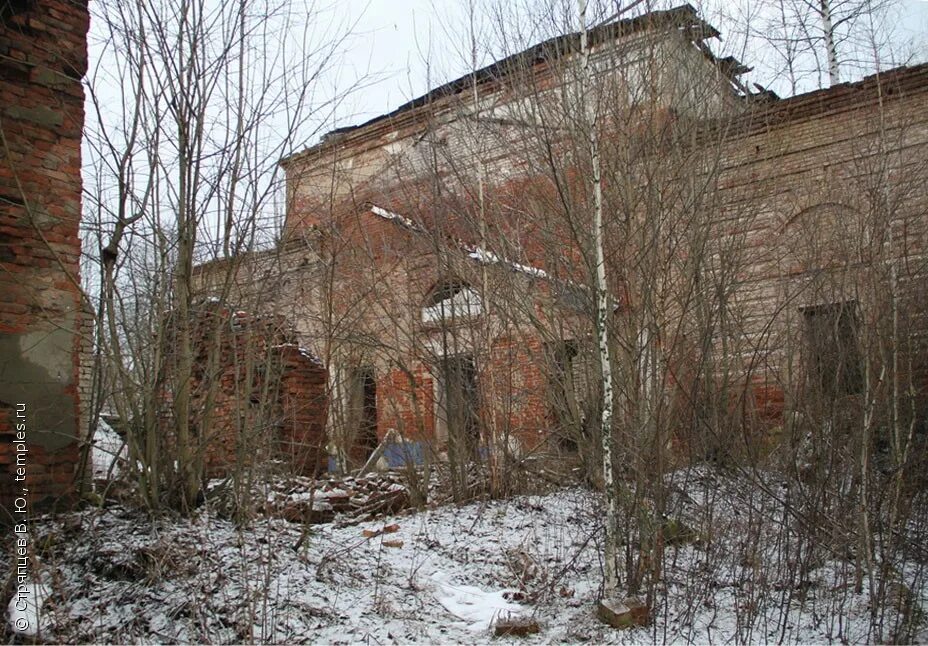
{"x": 400, "y": 48}
{"x": 395, "y": 38}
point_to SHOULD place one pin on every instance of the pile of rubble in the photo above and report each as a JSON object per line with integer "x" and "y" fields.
{"x": 364, "y": 496}
{"x": 348, "y": 499}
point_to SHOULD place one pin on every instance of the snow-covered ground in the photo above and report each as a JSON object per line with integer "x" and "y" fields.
{"x": 442, "y": 577}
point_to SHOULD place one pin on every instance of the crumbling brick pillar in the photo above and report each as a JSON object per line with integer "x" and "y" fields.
{"x": 257, "y": 395}
{"x": 303, "y": 401}
{"x": 43, "y": 55}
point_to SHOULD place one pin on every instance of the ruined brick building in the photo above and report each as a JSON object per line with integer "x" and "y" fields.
{"x": 44, "y": 56}
{"x": 437, "y": 258}
{"x": 267, "y": 386}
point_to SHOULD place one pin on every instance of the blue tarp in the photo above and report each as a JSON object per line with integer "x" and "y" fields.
{"x": 400, "y": 455}
{"x": 397, "y": 455}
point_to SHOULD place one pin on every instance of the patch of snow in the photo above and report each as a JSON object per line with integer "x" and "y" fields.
{"x": 25, "y": 608}
{"x": 109, "y": 450}
{"x": 309, "y": 355}
{"x": 464, "y": 303}
{"x": 477, "y": 608}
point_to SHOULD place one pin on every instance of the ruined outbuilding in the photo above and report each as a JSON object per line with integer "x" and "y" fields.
{"x": 257, "y": 396}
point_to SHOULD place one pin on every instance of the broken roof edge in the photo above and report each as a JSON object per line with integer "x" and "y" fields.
{"x": 230, "y": 309}
{"x": 683, "y": 16}
{"x": 892, "y": 84}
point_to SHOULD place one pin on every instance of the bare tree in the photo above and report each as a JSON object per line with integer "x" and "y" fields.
{"x": 207, "y": 98}
{"x": 805, "y": 44}
{"x": 589, "y": 125}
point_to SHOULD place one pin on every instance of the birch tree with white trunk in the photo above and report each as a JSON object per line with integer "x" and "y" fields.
{"x": 589, "y": 124}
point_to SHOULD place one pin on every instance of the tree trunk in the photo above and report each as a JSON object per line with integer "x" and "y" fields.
{"x": 611, "y": 582}
{"x": 829, "y": 31}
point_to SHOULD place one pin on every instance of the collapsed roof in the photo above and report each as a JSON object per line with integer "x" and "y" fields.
{"x": 685, "y": 18}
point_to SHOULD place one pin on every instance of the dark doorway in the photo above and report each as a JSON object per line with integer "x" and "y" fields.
{"x": 565, "y": 406}
{"x": 459, "y": 375}
{"x": 363, "y": 413}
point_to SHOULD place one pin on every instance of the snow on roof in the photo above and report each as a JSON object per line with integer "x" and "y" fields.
{"x": 303, "y": 351}
{"x": 309, "y": 355}
{"x": 475, "y": 253}
{"x": 396, "y": 217}
{"x": 489, "y": 258}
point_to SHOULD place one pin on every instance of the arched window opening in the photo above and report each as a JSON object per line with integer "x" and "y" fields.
{"x": 451, "y": 300}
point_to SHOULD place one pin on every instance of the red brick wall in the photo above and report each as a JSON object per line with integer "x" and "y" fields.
{"x": 260, "y": 397}
{"x": 303, "y": 403}
{"x": 383, "y": 275}
{"x": 512, "y": 393}
{"x": 514, "y": 388}
{"x": 776, "y": 162}
{"x": 770, "y": 164}
{"x": 42, "y": 58}
{"x": 406, "y": 402}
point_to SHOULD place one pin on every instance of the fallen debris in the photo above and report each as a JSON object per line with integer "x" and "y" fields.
{"x": 387, "y": 529}
{"x": 516, "y": 627}
{"x": 349, "y": 500}
{"x": 626, "y": 613}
